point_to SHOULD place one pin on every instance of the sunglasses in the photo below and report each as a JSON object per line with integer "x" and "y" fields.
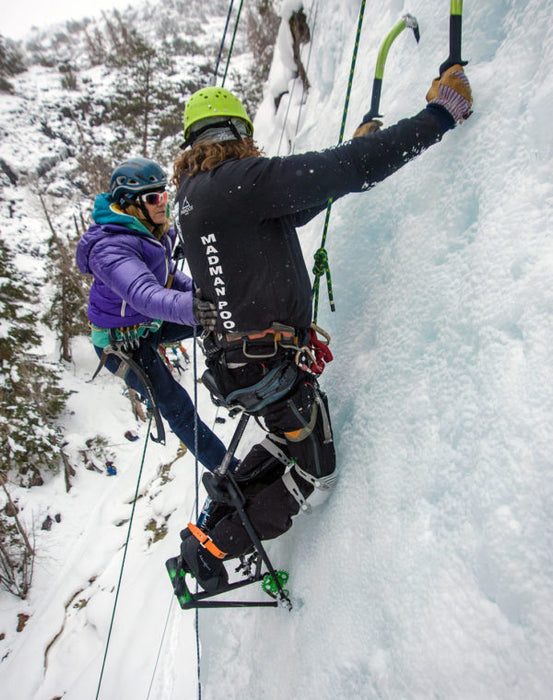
{"x": 154, "y": 197}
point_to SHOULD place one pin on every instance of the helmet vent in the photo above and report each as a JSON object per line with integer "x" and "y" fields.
{"x": 134, "y": 176}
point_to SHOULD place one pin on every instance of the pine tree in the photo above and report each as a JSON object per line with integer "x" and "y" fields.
{"x": 67, "y": 312}
{"x": 146, "y": 105}
{"x": 11, "y": 63}
{"x": 30, "y": 396}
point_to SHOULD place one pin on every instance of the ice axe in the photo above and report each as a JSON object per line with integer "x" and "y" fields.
{"x": 455, "y": 27}
{"x": 407, "y": 21}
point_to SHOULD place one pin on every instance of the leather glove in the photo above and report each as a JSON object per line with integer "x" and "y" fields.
{"x": 452, "y": 91}
{"x": 205, "y": 312}
{"x": 367, "y": 128}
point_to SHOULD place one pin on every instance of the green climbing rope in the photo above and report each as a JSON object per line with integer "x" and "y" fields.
{"x": 321, "y": 266}
{"x": 125, "y": 549}
{"x": 232, "y": 42}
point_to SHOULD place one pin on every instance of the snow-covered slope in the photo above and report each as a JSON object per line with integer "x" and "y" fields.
{"x": 428, "y": 573}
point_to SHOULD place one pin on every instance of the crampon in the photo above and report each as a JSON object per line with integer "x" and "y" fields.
{"x": 251, "y": 569}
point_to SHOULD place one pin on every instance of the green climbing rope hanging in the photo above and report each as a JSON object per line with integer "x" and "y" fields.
{"x": 321, "y": 266}
{"x": 232, "y": 42}
{"x": 125, "y": 550}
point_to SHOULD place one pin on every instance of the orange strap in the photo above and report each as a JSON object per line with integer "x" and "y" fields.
{"x": 206, "y": 541}
{"x": 277, "y": 335}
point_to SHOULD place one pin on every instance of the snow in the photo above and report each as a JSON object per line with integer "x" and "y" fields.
{"x": 428, "y": 573}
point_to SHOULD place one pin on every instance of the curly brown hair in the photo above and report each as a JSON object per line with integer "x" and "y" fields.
{"x": 205, "y": 156}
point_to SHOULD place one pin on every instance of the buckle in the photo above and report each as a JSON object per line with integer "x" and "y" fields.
{"x": 206, "y": 541}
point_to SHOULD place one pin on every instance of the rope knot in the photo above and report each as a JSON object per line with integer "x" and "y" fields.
{"x": 321, "y": 262}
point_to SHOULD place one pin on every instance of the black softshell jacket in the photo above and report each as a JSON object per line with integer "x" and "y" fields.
{"x": 238, "y": 221}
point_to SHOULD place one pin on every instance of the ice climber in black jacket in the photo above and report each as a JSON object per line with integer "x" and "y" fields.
{"x": 237, "y": 212}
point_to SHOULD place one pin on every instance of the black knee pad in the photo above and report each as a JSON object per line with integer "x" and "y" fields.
{"x": 303, "y": 420}
{"x": 257, "y": 470}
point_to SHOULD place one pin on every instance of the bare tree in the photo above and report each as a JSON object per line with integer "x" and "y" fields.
{"x": 67, "y": 313}
{"x": 16, "y": 554}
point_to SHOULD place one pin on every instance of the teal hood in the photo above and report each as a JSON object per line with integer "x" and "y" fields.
{"x": 107, "y": 212}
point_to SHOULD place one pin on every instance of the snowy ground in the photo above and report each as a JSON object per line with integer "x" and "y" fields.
{"x": 428, "y": 574}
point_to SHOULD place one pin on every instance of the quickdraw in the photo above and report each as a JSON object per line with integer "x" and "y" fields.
{"x": 317, "y": 352}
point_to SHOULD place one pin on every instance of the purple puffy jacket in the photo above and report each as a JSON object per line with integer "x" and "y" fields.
{"x": 131, "y": 268}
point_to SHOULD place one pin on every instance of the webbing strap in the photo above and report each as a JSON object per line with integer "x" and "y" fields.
{"x": 324, "y": 483}
{"x": 275, "y": 451}
{"x": 206, "y": 541}
{"x": 301, "y": 433}
{"x": 326, "y": 419}
{"x": 290, "y": 483}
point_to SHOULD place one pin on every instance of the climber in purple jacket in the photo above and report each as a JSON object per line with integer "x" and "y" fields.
{"x": 139, "y": 299}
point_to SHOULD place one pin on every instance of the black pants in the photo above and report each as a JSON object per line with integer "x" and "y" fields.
{"x": 300, "y": 424}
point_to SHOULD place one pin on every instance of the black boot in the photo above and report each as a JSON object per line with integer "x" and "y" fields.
{"x": 208, "y": 570}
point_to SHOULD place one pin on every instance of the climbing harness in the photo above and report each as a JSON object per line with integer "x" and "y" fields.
{"x": 275, "y": 384}
{"x": 123, "y": 349}
{"x": 261, "y": 345}
{"x": 321, "y": 266}
{"x": 310, "y": 353}
{"x": 221, "y": 485}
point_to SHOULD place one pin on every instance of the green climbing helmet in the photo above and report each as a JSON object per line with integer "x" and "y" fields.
{"x": 213, "y": 102}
